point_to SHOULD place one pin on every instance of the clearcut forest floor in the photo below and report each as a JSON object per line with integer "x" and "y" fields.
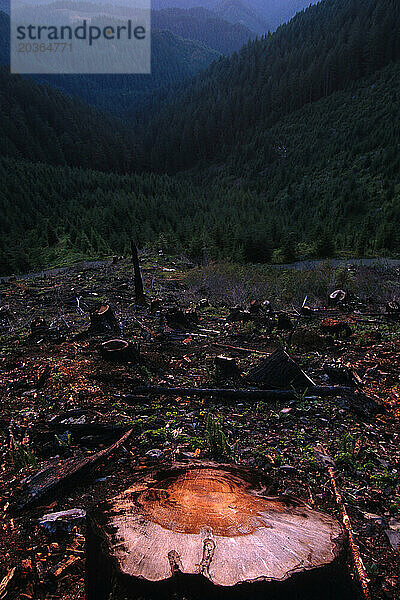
{"x": 59, "y": 396}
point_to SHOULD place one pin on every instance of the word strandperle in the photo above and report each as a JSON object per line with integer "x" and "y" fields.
{"x": 91, "y": 33}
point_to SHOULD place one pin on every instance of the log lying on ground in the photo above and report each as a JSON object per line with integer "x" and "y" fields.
{"x": 58, "y": 474}
{"x": 362, "y": 404}
{"x": 206, "y": 529}
{"x": 249, "y": 394}
{"x": 279, "y": 371}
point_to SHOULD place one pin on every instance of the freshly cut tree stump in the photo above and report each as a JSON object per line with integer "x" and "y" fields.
{"x": 119, "y": 351}
{"x": 206, "y": 530}
{"x": 102, "y": 319}
{"x": 279, "y": 371}
{"x": 337, "y": 297}
{"x": 226, "y": 367}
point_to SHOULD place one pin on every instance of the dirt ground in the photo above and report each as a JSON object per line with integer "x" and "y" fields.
{"x": 62, "y": 399}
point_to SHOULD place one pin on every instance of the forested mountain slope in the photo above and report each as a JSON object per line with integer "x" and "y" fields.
{"x": 42, "y": 125}
{"x": 320, "y": 51}
{"x": 327, "y": 175}
{"x": 204, "y": 26}
{"x": 260, "y": 16}
{"x": 174, "y": 60}
{"x": 323, "y": 180}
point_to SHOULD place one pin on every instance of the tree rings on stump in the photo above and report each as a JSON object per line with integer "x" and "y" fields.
{"x": 210, "y": 529}
{"x": 118, "y": 351}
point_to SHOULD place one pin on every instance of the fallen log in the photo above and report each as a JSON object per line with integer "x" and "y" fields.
{"x": 360, "y": 403}
{"x": 58, "y": 474}
{"x": 249, "y": 394}
{"x": 238, "y": 349}
{"x": 6, "y": 581}
{"x": 358, "y": 564}
{"x": 209, "y": 531}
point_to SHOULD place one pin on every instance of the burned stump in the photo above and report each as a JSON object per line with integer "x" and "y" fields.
{"x": 208, "y": 530}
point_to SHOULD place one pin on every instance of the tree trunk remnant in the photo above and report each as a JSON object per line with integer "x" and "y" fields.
{"x": 102, "y": 319}
{"x": 337, "y": 297}
{"x": 279, "y": 371}
{"x": 139, "y": 291}
{"x": 226, "y": 367}
{"x": 209, "y": 529}
{"x": 119, "y": 351}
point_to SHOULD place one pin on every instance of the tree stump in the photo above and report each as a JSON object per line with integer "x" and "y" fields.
{"x": 138, "y": 281}
{"x": 155, "y": 305}
{"x": 393, "y": 310}
{"x": 339, "y": 329}
{"x": 226, "y": 367}
{"x": 119, "y": 351}
{"x": 284, "y": 322}
{"x": 206, "y": 530}
{"x": 179, "y": 319}
{"x": 102, "y": 319}
{"x": 237, "y": 314}
{"x": 39, "y": 327}
{"x": 279, "y": 371}
{"x": 337, "y": 297}
{"x": 255, "y": 307}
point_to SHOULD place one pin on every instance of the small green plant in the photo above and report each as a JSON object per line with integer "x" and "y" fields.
{"x": 346, "y": 454}
{"x": 217, "y": 441}
{"x": 301, "y": 396}
{"x": 66, "y": 442}
{"x": 385, "y": 478}
{"x": 21, "y": 455}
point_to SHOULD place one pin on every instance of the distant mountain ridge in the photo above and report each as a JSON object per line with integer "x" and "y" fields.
{"x": 260, "y": 16}
{"x": 204, "y": 26}
{"x": 174, "y": 60}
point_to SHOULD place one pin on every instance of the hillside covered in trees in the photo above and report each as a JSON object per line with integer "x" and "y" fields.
{"x": 319, "y": 52}
{"x": 175, "y": 59}
{"x": 319, "y": 182}
{"x": 286, "y": 150}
